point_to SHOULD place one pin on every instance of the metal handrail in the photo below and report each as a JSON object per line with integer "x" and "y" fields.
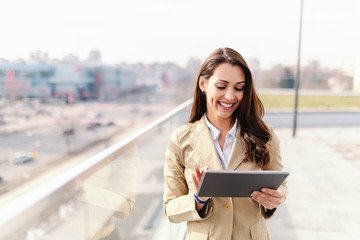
{"x": 12, "y": 209}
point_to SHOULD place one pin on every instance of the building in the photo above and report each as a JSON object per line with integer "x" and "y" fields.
{"x": 71, "y": 79}
{"x": 19, "y": 80}
{"x": 68, "y": 79}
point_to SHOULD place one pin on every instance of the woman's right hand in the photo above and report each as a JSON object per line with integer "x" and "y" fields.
{"x": 196, "y": 178}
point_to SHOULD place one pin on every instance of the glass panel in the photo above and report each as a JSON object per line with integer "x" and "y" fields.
{"x": 119, "y": 196}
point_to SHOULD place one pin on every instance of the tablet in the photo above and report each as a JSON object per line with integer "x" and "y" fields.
{"x": 231, "y": 183}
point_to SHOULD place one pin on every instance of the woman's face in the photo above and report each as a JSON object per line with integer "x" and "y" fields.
{"x": 224, "y": 91}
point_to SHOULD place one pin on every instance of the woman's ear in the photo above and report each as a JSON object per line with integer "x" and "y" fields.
{"x": 202, "y": 84}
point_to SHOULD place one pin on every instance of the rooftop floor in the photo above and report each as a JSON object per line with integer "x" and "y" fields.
{"x": 324, "y": 184}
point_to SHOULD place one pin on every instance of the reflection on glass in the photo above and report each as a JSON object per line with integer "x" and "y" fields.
{"x": 99, "y": 203}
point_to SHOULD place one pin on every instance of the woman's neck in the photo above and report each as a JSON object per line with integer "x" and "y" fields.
{"x": 222, "y": 124}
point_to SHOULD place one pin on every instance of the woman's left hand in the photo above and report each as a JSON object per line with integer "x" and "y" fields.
{"x": 268, "y": 198}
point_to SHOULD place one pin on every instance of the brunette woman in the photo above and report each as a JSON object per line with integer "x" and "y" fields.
{"x": 225, "y": 131}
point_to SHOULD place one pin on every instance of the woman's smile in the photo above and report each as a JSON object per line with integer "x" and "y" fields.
{"x": 226, "y": 106}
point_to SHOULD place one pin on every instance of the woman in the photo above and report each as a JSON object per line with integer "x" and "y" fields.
{"x": 225, "y": 131}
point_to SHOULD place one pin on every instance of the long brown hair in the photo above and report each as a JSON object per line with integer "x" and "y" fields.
{"x": 250, "y": 111}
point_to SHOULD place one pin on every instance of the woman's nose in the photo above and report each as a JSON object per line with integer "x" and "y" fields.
{"x": 230, "y": 95}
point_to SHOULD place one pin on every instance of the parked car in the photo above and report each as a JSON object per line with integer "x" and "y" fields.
{"x": 22, "y": 157}
{"x": 92, "y": 124}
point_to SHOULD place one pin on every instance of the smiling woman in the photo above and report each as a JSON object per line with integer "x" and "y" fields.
{"x": 225, "y": 131}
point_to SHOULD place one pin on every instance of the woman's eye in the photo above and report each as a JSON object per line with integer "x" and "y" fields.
{"x": 239, "y": 89}
{"x": 220, "y": 87}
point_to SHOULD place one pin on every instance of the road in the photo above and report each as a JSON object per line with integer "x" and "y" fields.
{"x": 51, "y": 146}
{"x": 313, "y": 119}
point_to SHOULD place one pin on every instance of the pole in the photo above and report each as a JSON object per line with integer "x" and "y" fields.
{"x": 297, "y": 78}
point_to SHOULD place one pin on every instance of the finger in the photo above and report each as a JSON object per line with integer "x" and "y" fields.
{"x": 266, "y": 200}
{"x": 262, "y": 201}
{"x": 255, "y": 193}
{"x": 196, "y": 182}
{"x": 270, "y": 198}
{"x": 197, "y": 171}
{"x": 203, "y": 169}
{"x": 273, "y": 192}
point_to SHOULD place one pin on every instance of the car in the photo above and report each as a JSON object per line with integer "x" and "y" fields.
{"x": 92, "y": 125}
{"x": 22, "y": 157}
{"x": 110, "y": 123}
{"x": 94, "y": 114}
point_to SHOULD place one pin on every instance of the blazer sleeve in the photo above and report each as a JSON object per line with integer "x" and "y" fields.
{"x": 179, "y": 203}
{"x": 275, "y": 163}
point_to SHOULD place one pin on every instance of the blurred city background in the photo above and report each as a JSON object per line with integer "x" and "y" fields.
{"x": 90, "y": 92}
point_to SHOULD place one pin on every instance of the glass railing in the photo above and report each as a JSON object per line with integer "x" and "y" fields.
{"x": 116, "y": 194}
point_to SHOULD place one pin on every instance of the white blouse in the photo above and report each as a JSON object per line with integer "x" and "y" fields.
{"x": 229, "y": 141}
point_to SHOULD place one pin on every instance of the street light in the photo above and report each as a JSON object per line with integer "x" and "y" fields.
{"x": 297, "y": 78}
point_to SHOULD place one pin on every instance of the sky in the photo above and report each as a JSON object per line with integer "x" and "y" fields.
{"x": 167, "y": 30}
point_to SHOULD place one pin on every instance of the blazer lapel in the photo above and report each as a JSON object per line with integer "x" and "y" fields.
{"x": 203, "y": 146}
{"x": 237, "y": 153}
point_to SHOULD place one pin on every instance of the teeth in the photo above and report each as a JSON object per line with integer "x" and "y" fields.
{"x": 225, "y": 105}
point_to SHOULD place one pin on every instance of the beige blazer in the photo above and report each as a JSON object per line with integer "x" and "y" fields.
{"x": 223, "y": 218}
